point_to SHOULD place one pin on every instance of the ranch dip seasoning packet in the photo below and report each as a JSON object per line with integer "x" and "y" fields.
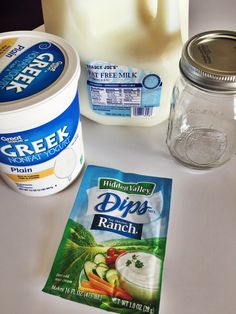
{"x": 112, "y": 251}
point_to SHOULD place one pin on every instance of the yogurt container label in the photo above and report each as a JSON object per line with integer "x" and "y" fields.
{"x": 41, "y": 146}
{"x": 117, "y": 90}
{"x": 112, "y": 252}
{"x": 26, "y": 69}
{"x": 43, "y": 158}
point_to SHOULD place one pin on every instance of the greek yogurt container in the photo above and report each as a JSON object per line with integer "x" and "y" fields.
{"x": 41, "y": 146}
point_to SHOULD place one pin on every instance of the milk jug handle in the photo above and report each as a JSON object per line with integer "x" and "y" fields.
{"x": 184, "y": 19}
{"x": 165, "y": 14}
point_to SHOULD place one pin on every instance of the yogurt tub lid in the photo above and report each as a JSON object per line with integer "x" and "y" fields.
{"x": 34, "y": 67}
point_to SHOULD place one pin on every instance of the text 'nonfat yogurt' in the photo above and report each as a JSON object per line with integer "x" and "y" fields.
{"x": 41, "y": 147}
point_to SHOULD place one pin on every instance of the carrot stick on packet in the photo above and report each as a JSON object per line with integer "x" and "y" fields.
{"x": 111, "y": 255}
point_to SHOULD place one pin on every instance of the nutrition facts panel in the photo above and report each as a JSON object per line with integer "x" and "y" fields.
{"x": 115, "y": 95}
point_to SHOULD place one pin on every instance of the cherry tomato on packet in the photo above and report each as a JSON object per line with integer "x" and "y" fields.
{"x": 110, "y": 259}
{"x": 111, "y": 251}
{"x": 115, "y": 256}
{"x": 121, "y": 252}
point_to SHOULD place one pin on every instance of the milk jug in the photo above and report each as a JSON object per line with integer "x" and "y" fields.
{"x": 129, "y": 52}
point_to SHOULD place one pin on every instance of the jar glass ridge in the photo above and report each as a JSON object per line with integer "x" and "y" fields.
{"x": 202, "y": 126}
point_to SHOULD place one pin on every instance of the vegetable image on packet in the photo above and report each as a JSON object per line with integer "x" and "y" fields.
{"x": 112, "y": 251}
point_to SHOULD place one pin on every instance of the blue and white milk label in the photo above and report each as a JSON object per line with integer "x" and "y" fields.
{"x": 46, "y": 157}
{"x": 118, "y": 90}
{"x": 27, "y": 69}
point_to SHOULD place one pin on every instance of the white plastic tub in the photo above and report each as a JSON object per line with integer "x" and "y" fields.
{"x": 41, "y": 147}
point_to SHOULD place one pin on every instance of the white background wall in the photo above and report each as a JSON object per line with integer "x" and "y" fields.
{"x": 212, "y": 14}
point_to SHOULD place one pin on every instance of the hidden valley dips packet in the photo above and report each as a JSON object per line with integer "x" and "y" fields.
{"x": 112, "y": 251}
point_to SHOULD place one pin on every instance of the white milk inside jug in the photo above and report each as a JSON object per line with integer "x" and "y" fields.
{"x": 129, "y": 52}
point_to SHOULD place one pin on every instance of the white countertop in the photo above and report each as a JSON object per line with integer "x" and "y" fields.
{"x": 200, "y": 264}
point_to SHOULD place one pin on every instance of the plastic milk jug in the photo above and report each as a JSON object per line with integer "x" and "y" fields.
{"x": 129, "y": 53}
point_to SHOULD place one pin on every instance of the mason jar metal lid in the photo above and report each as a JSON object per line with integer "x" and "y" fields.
{"x": 209, "y": 60}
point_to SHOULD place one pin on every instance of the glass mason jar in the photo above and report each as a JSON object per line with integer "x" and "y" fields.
{"x": 202, "y": 122}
